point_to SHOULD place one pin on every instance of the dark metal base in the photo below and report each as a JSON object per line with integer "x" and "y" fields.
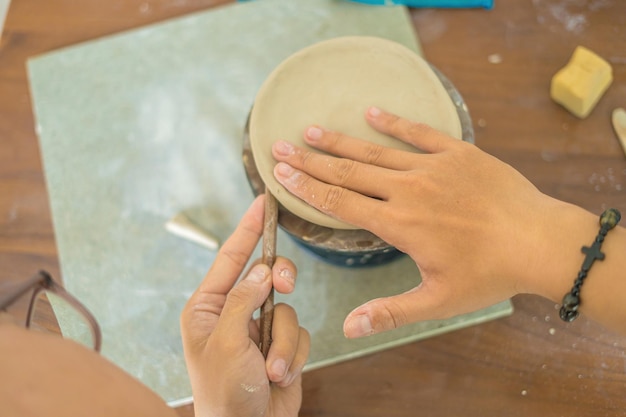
{"x": 351, "y": 259}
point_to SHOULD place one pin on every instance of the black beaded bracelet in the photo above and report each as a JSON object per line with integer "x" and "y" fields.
{"x": 571, "y": 300}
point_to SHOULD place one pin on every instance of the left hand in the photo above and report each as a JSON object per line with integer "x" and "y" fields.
{"x": 478, "y": 231}
{"x": 229, "y": 375}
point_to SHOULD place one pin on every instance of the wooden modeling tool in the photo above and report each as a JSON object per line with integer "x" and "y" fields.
{"x": 268, "y": 258}
{"x": 619, "y": 124}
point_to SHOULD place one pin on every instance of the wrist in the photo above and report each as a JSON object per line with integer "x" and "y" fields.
{"x": 555, "y": 256}
{"x": 571, "y": 301}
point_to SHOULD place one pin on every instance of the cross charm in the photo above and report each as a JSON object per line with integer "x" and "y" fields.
{"x": 571, "y": 300}
{"x": 592, "y": 253}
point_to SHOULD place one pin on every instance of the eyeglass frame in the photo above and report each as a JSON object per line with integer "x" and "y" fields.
{"x": 43, "y": 281}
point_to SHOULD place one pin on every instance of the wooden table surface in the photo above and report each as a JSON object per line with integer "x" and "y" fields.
{"x": 528, "y": 364}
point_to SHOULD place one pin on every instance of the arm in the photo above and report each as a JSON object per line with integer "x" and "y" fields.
{"x": 229, "y": 376}
{"x": 477, "y": 229}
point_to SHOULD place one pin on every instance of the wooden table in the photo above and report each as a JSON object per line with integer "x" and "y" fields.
{"x": 529, "y": 364}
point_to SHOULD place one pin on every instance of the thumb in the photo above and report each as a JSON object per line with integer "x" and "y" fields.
{"x": 241, "y": 302}
{"x": 389, "y": 313}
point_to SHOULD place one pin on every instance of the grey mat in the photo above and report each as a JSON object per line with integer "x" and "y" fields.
{"x": 138, "y": 126}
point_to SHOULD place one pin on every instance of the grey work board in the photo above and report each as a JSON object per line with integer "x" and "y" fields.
{"x": 138, "y": 126}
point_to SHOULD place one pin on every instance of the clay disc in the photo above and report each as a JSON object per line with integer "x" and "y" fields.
{"x": 331, "y": 84}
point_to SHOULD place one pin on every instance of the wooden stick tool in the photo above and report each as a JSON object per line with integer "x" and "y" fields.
{"x": 268, "y": 258}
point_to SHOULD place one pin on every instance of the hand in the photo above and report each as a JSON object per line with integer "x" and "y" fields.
{"x": 474, "y": 226}
{"x": 229, "y": 375}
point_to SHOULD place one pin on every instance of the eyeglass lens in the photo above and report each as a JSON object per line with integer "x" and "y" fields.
{"x": 52, "y": 313}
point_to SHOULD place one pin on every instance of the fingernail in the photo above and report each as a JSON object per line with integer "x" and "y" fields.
{"x": 374, "y": 111}
{"x": 284, "y": 170}
{"x": 359, "y": 326}
{"x": 283, "y": 148}
{"x": 257, "y": 274}
{"x": 314, "y": 133}
{"x": 287, "y": 275}
{"x": 279, "y": 368}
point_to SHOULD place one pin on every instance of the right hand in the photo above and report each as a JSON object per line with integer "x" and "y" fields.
{"x": 229, "y": 376}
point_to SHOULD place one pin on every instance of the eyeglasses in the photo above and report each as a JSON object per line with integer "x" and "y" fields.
{"x": 49, "y": 302}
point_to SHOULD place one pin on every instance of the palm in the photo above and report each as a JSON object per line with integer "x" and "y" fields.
{"x": 254, "y": 392}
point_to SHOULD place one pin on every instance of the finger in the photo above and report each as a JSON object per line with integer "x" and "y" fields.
{"x": 369, "y": 153}
{"x": 388, "y": 313}
{"x": 247, "y": 296}
{"x": 343, "y": 172}
{"x": 285, "y": 335}
{"x": 236, "y": 251}
{"x": 417, "y": 134}
{"x": 284, "y": 274}
{"x": 341, "y": 203}
{"x": 290, "y": 347}
{"x": 302, "y": 354}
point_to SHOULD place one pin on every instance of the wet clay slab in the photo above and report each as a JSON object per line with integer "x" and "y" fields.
{"x": 139, "y": 126}
{"x": 331, "y": 84}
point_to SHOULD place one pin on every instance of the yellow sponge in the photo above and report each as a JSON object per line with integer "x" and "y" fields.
{"x": 579, "y": 85}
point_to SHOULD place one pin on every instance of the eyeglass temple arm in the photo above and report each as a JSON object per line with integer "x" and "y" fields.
{"x": 42, "y": 280}
{"x": 93, "y": 323}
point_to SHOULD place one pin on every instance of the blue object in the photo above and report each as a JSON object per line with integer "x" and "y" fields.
{"x": 444, "y": 4}
{"x": 487, "y": 4}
